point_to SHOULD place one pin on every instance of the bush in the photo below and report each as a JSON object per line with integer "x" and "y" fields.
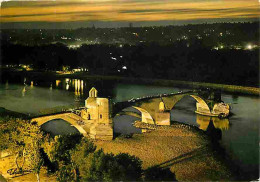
{"x": 59, "y": 148}
{"x": 158, "y": 174}
{"x": 83, "y": 162}
{"x": 106, "y": 167}
{"x": 130, "y": 167}
{"x": 66, "y": 173}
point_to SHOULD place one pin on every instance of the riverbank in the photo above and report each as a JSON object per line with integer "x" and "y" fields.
{"x": 4, "y": 113}
{"x": 183, "y": 149}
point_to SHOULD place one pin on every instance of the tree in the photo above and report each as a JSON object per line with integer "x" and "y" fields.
{"x": 130, "y": 167}
{"x": 108, "y": 167}
{"x": 65, "y": 173}
{"x": 34, "y": 157}
{"x": 58, "y": 149}
{"x": 79, "y": 154}
{"x": 31, "y": 136}
{"x": 24, "y": 141}
{"x": 59, "y": 155}
{"x": 7, "y": 126}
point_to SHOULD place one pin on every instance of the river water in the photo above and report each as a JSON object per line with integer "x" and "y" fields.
{"x": 239, "y": 134}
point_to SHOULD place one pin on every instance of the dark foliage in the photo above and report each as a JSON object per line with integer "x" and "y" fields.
{"x": 63, "y": 145}
{"x": 158, "y": 174}
{"x": 107, "y": 167}
{"x": 65, "y": 173}
{"x": 177, "y": 62}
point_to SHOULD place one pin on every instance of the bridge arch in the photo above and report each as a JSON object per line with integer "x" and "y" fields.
{"x": 146, "y": 116}
{"x": 201, "y": 104}
{"x": 71, "y": 118}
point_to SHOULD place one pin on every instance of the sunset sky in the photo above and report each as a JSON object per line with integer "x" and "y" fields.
{"x": 112, "y": 13}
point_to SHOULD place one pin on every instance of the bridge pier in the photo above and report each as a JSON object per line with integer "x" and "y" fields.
{"x": 219, "y": 109}
{"x": 162, "y": 118}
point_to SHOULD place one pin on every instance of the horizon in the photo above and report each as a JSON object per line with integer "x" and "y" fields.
{"x": 125, "y": 25}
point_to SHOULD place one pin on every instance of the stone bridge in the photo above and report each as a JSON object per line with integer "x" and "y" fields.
{"x": 95, "y": 121}
{"x": 156, "y": 109}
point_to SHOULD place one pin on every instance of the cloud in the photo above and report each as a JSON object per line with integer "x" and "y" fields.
{"x": 126, "y": 10}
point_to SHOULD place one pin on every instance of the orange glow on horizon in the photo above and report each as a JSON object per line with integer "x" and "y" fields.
{"x": 112, "y": 10}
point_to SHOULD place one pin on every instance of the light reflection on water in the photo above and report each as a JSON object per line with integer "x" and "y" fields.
{"x": 77, "y": 85}
{"x": 203, "y": 122}
{"x": 32, "y": 99}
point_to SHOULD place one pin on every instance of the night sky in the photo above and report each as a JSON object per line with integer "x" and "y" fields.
{"x": 116, "y": 13}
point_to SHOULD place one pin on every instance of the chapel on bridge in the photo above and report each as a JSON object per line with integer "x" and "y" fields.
{"x": 96, "y": 115}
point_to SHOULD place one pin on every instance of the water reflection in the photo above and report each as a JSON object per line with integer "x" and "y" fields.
{"x": 23, "y": 91}
{"x": 6, "y": 85}
{"x": 204, "y": 121}
{"x": 57, "y": 83}
{"x": 214, "y": 133}
{"x": 77, "y": 87}
{"x": 72, "y": 84}
{"x": 235, "y": 98}
{"x": 82, "y": 86}
{"x": 67, "y": 86}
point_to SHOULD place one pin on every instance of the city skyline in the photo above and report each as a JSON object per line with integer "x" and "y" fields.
{"x": 112, "y": 13}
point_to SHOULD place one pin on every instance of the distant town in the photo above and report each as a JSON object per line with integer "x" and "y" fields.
{"x": 192, "y": 53}
{"x": 216, "y": 36}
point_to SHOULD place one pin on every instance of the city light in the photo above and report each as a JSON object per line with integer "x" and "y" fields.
{"x": 249, "y": 46}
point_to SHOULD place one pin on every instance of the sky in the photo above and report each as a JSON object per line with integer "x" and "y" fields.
{"x": 116, "y": 13}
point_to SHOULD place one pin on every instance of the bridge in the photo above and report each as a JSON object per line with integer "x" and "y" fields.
{"x": 156, "y": 109}
{"x": 94, "y": 120}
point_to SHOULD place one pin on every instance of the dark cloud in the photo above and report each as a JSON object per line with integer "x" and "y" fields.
{"x": 35, "y": 4}
{"x": 46, "y": 14}
{"x": 190, "y": 10}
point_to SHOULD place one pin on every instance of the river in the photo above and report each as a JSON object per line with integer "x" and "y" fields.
{"x": 239, "y": 133}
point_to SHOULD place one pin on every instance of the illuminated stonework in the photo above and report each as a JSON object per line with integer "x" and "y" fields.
{"x": 96, "y": 115}
{"x": 94, "y": 120}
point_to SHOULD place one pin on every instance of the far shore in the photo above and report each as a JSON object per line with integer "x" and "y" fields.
{"x": 236, "y": 89}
